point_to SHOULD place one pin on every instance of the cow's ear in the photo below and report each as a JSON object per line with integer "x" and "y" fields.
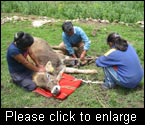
{"x": 49, "y": 67}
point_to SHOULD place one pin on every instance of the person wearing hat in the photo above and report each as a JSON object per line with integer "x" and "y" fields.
{"x": 19, "y": 68}
{"x": 75, "y": 41}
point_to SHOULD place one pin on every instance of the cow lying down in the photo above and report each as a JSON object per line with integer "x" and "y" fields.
{"x": 54, "y": 65}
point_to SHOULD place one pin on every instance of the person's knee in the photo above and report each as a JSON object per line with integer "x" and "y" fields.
{"x": 62, "y": 45}
{"x": 28, "y": 85}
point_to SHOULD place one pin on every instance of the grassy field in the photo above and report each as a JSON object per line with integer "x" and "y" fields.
{"x": 87, "y": 95}
{"x": 126, "y": 11}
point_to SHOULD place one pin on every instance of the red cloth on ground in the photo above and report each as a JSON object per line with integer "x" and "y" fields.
{"x": 68, "y": 85}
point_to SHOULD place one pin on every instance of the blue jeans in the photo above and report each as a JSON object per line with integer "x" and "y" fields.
{"x": 111, "y": 77}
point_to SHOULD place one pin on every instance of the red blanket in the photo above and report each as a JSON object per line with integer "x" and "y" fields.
{"x": 68, "y": 85}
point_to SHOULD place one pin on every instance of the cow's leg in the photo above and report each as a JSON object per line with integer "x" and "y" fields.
{"x": 74, "y": 71}
{"x": 60, "y": 73}
{"x": 92, "y": 82}
{"x": 62, "y": 48}
{"x": 80, "y": 71}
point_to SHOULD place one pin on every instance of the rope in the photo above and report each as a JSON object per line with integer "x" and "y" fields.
{"x": 97, "y": 82}
{"x": 92, "y": 82}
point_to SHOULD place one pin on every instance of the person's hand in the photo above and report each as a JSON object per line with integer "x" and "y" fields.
{"x": 40, "y": 66}
{"x": 74, "y": 56}
{"x": 41, "y": 69}
{"x": 82, "y": 55}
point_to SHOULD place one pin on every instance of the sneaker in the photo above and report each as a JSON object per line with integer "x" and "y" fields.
{"x": 103, "y": 86}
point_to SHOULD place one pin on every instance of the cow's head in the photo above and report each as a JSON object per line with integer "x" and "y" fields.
{"x": 47, "y": 80}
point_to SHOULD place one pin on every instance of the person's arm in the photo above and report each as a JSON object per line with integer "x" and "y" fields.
{"x": 68, "y": 45}
{"x": 21, "y": 59}
{"x": 86, "y": 41}
{"x": 74, "y": 56}
{"x": 82, "y": 56}
{"x": 110, "y": 58}
{"x": 31, "y": 54}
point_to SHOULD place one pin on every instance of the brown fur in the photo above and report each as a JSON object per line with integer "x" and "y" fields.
{"x": 44, "y": 53}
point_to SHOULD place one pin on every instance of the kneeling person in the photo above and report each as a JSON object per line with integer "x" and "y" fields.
{"x": 20, "y": 68}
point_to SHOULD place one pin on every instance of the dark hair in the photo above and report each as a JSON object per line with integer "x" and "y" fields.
{"x": 67, "y": 26}
{"x": 118, "y": 42}
{"x": 23, "y": 40}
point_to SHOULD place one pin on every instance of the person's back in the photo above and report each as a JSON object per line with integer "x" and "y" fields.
{"x": 13, "y": 65}
{"x": 123, "y": 57}
{"x": 129, "y": 69}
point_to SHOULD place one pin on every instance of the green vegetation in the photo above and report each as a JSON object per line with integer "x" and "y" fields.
{"x": 127, "y": 11}
{"x": 87, "y": 95}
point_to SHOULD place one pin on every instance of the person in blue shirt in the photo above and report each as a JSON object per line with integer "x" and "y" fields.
{"x": 19, "y": 68}
{"x": 75, "y": 41}
{"x": 121, "y": 64}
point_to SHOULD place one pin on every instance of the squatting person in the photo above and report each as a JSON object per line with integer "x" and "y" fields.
{"x": 121, "y": 64}
{"x": 75, "y": 41}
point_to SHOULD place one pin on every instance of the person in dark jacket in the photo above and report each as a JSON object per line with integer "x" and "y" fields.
{"x": 20, "y": 68}
{"x": 121, "y": 64}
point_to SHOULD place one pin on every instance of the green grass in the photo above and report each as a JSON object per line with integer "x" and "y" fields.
{"x": 87, "y": 95}
{"x": 127, "y": 11}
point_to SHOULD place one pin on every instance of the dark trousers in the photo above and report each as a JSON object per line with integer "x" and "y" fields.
{"x": 24, "y": 80}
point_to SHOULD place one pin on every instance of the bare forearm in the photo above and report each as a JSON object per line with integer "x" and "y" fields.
{"x": 31, "y": 66}
{"x": 83, "y": 55}
{"x": 33, "y": 57}
{"x": 24, "y": 62}
{"x": 74, "y": 56}
{"x": 84, "y": 52}
{"x": 34, "y": 68}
